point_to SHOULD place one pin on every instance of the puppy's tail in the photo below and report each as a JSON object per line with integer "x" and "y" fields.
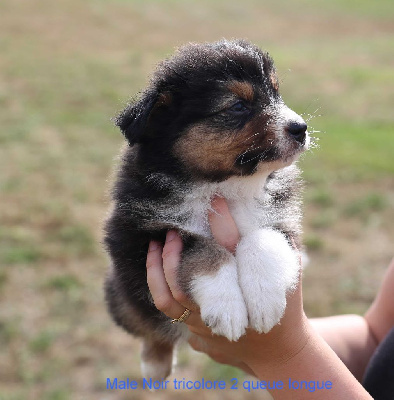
{"x": 157, "y": 359}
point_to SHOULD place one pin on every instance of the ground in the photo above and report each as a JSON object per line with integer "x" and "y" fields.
{"x": 68, "y": 66}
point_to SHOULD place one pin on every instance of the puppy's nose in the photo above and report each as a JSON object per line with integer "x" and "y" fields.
{"x": 297, "y": 130}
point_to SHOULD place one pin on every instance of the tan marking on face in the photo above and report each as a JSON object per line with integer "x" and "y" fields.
{"x": 208, "y": 150}
{"x": 274, "y": 80}
{"x": 203, "y": 150}
{"x": 244, "y": 90}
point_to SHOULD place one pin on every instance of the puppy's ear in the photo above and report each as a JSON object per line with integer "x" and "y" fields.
{"x": 133, "y": 121}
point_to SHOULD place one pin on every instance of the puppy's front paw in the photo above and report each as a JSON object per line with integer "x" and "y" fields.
{"x": 221, "y": 302}
{"x": 268, "y": 269}
{"x": 226, "y": 316}
{"x": 266, "y": 310}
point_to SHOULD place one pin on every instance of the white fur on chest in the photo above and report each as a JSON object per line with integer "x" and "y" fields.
{"x": 244, "y": 196}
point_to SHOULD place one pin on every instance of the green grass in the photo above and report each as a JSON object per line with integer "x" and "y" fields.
{"x": 363, "y": 148}
{"x": 67, "y": 67}
{"x": 366, "y": 205}
{"x": 213, "y": 371}
{"x": 321, "y": 198}
{"x": 325, "y": 219}
{"x": 313, "y": 243}
{"x": 63, "y": 283}
{"x": 42, "y": 342}
{"x": 20, "y": 255}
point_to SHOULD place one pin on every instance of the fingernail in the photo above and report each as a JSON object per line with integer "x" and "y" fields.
{"x": 153, "y": 246}
{"x": 170, "y": 236}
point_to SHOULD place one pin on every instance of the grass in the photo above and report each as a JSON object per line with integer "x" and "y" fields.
{"x": 67, "y": 67}
{"x": 355, "y": 146}
{"x": 367, "y": 205}
{"x": 63, "y": 283}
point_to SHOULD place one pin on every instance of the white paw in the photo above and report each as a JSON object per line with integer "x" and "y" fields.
{"x": 268, "y": 269}
{"x": 221, "y": 302}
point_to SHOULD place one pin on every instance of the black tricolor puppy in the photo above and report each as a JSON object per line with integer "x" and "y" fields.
{"x": 211, "y": 122}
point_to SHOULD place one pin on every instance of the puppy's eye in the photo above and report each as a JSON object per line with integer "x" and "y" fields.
{"x": 238, "y": 108}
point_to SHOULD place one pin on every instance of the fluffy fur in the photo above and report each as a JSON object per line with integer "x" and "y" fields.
{"x": 211, "y": 122}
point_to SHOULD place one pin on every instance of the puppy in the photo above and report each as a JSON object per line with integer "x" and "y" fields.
{"x": 211, "y": 122}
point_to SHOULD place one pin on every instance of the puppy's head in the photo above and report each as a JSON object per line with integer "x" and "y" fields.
{"x": 213, "y": 111}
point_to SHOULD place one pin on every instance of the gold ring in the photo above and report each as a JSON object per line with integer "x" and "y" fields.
{"x": 183, "y": 317}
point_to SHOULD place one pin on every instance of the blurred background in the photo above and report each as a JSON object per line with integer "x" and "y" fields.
{"x": 68, "y": 66}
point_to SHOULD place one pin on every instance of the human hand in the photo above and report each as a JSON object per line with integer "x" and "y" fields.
{"x": 279, "y": 344}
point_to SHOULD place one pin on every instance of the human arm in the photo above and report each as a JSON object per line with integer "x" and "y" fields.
{"x": 380, "y": 316}
{"x": 292, "y": 349}
{"x": 351, "y": 339}
{"x": 354, "y": 338}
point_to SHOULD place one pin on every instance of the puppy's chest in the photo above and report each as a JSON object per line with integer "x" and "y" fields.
{"x": 249, "y": 206}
